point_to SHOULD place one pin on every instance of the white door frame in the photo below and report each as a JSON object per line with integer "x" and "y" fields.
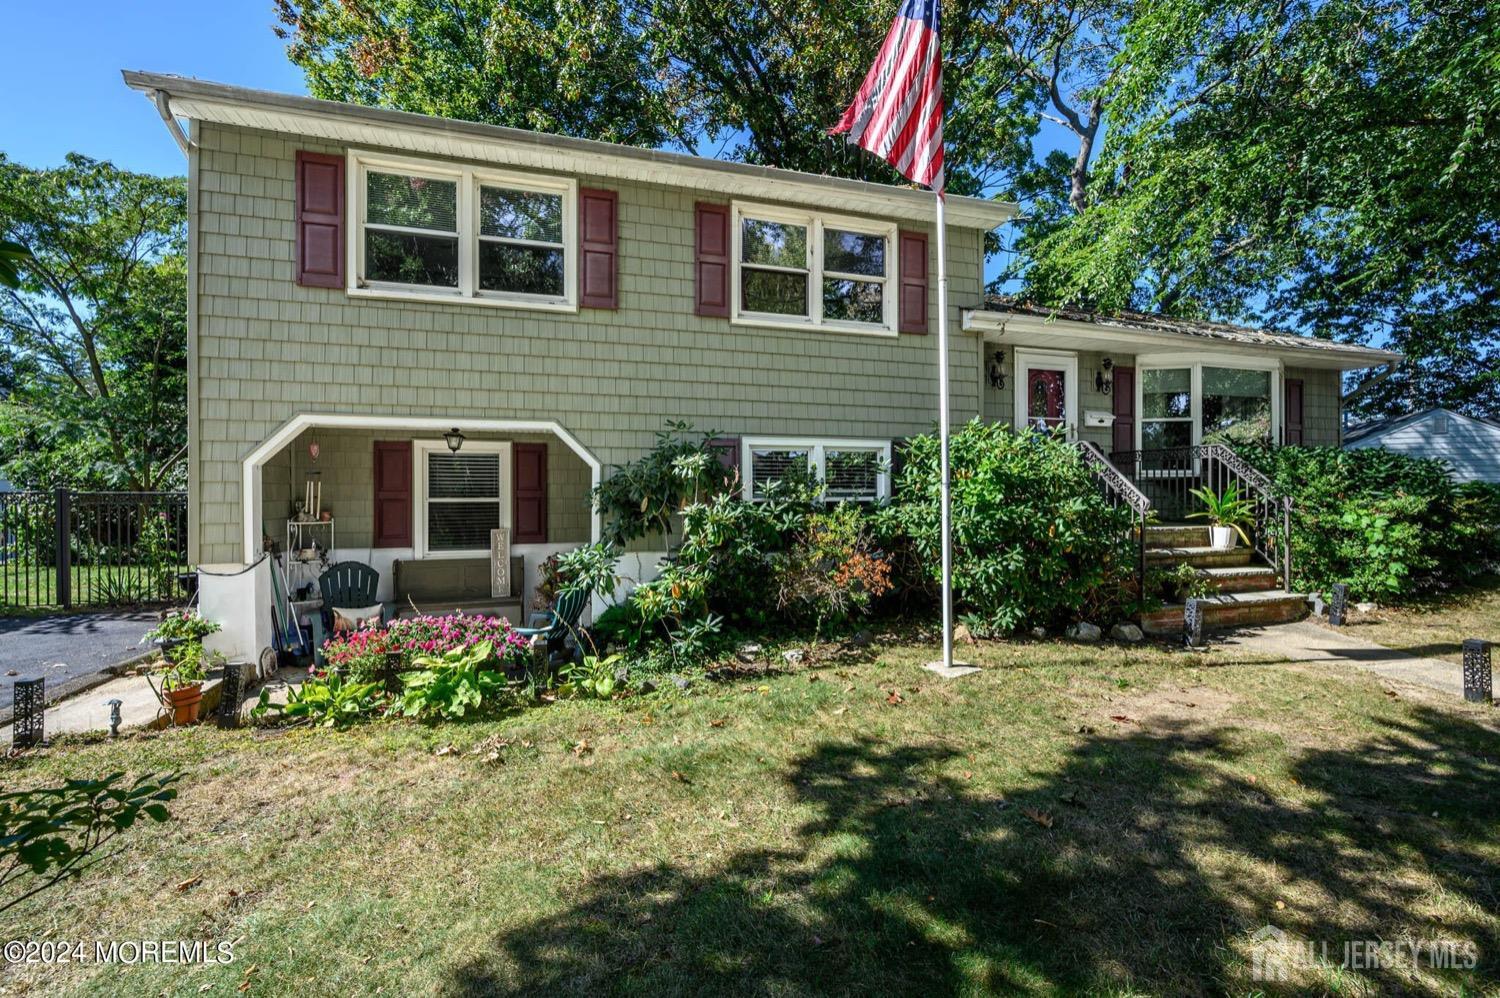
{"x": 1066, "y": 361}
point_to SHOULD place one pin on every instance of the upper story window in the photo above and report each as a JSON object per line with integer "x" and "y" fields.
{"x": 438, "y": 232}
{"x": 795, "y": 269}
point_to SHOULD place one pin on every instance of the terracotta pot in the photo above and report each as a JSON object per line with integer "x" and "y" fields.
{"x": 184, "y": 701}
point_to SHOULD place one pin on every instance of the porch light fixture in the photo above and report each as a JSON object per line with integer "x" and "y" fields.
{"x": 1104, "y": 381}
{"x": 455, "y": 439}
{"x": 997, "y": 369}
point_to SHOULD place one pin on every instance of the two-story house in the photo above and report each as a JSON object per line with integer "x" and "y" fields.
{"x": 369, "y": 288}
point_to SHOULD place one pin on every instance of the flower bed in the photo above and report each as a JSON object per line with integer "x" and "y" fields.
{"x": 360, "y": 654}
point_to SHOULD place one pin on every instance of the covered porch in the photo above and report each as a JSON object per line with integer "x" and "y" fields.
{"x": 423, "y": 501}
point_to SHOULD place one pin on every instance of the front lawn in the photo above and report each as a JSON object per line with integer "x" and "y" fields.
{"x": 1117, "y": 820}
{"x": 1435, "y": 627}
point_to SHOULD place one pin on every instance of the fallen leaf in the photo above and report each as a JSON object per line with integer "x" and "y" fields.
{"x": 445, "y": 750}
{"x": 190, "y": 882}
{"x": 839, "y": 711}
{"x": 648, "y": 719}
{"x": 680, "y": 778}
{"x": 582, "y": 748}
{"x": 717, "y": 722}
{"x": 1085, "y": 729}
{"x": 895, "y": 698}
{"x": 1122, "y": 719}
{"x": 968, "y": 774}
{"x": 1040, "y": 817}
{"x": 1280, "y": 905}
{"x": 812, "y": 678}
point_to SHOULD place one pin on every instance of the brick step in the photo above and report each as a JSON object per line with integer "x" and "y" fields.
{"x": 1241, "y": 578}
{"x": 1200, "y": 557}
{"x": 1177, "y": 535}
{"x": 1228, "y": 610}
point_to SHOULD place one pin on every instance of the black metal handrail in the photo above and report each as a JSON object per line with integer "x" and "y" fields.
{"x": 1119, "y": 490}
{"x": 1168, "y": 476}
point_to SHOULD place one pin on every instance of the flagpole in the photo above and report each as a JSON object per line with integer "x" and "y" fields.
{"x": 947, "y": 518}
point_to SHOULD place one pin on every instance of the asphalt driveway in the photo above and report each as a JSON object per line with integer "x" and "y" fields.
{"x": 68, "y": 651}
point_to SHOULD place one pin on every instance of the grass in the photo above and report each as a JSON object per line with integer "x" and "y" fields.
{"x": 1435, "y": 627}
{"x": 27, "y": 586}
{"x": 1073, "y": 819}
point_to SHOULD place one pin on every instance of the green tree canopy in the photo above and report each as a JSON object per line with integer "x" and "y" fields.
{"x": 93, "y": 360}
{"x": 1325, "y": 165}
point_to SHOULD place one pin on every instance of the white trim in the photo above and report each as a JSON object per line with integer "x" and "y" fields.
{"x": 815, "y": 223}
{"x": 254, "y": 462}
{"x": 816, "y": 448}
{"x": 1030, "y": 330}
{"x": 424, "y": 135}
{"x": 468, "y": 180}
{"x": 1195, "y": 363}
{"x": 1066, "y": 361}
{"x": 420, "y": 450}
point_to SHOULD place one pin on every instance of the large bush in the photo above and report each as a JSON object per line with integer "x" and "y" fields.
{"x": 1034, "y": 541}
{"x": 1387, "y": 525}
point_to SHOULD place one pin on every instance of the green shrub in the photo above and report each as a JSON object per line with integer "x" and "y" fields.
{"x": 450, "y": 685}
{"x": 1034, "y": 541}
{"x": 641, "y": 498}
{"x": 832, "y": 570}
{"x": 1387, "y": 525}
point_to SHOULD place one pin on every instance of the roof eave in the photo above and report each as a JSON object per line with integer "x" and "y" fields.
{"x": 1099, "y": 335}
{"x": 203, "y": 100}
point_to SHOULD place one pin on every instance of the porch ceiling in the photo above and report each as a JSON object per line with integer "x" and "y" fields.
{"x": 1104, "y": 336}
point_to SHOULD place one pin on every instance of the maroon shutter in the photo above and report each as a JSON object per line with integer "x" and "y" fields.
{"x": 911, "y": 260}
{"x": 392, "y": 493}
{"x": 727, "y": 450}
{"x": 529, "y": 493}
{"x": 1291, "y": 419}
{"x": 1124, "y": 394}
{"x": 320, "y": 220}
{"x": 711, "y": 259}
{"x": 599, "y": 233}
{"x": 898, "y": 460}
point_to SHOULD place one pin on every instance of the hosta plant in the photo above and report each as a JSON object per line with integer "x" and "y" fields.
{"x": 450, "y": 685}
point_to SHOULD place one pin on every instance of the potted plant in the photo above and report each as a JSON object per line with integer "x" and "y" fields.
{"x": 1226, "y": 512}
{"x": 180, "y": 636}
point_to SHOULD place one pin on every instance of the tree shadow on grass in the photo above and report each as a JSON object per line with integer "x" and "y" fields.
{"x": 1162, "y": 858}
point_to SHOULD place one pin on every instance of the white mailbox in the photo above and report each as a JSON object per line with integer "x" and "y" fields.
{"x": 1093, "y": 417}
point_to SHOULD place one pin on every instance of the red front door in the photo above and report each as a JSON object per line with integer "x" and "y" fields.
{"x": 1044, "y": 393}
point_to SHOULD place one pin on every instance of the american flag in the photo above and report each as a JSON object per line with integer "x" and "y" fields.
{"x": 898, "y": 112}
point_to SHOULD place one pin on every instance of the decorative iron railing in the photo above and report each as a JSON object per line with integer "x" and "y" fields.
{"x": 1168, "y": 477}
{"x": 1119, "y": 491}
{"x": 91, "y": 549}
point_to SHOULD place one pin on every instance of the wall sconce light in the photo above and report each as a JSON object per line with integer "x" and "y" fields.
{"x": 313, "y": 450}
{"x": 455, "y": 439}
{"x": 997, "y": 369}
{"x": 1104, "y": 381}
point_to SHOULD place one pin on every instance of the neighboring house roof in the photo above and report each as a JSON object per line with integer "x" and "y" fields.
{"x": 1146, "y": 331}
{"x": 419, "y": 133}
{"x": 1470, "y": 446}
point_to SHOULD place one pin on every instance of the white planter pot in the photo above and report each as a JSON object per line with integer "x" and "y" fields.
{"x": 1222, "y": 538}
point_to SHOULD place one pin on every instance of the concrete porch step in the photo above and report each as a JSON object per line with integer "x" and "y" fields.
{"x": 1241, "y": 578}
{"x": 1200, "y": 556}
{"x": 1229, "y": 610}
{"x": 1177, "y": 535}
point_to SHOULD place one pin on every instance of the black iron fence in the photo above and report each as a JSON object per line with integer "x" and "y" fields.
{"x": 1168, "y": 476}
{"x": 91, "y": 549}
{"x": 1118, "y": 490}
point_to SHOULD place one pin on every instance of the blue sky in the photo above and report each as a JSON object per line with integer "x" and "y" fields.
{"x": 69, "y": 54}
{"x": 64, "y": 57}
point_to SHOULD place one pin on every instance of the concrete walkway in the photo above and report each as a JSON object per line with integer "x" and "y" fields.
{"x": 1306, "y": 641}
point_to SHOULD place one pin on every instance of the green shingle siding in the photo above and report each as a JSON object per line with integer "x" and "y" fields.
{"x": 1321, "y": 394}
{"x": 267, "y": 349}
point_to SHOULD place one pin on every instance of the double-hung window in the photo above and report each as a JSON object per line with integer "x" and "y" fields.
{"x": 796, "y": 269}
{"x": 463, "y": 496}
{"x": 850, "y": 470}
{"x": 439, "y": 232}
